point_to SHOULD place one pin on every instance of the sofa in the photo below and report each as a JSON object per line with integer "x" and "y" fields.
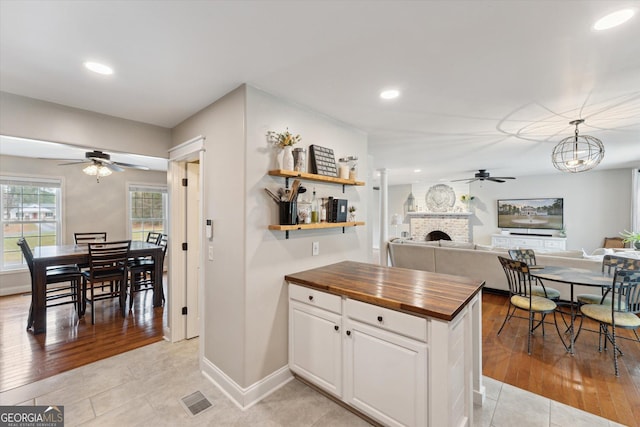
{"x": 481, "y": 262}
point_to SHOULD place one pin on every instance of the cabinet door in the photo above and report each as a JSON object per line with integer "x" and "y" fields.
{"x": 315, "y": 346}
{"x": 385, "y": 375}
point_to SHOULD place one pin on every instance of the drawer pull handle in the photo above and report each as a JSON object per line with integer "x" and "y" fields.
{"x": 336, "y": 327}
{"x": 310, "y": 297}
{"x": 349, "y": 333}
{"x": 379, "y": 318}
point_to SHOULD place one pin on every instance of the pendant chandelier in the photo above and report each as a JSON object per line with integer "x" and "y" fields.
{"x": 577, "y": 153}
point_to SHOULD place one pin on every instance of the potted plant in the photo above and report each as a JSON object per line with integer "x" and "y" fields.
{"x": 352, "y": 214}
{"x": 631, "y": 237}
{"x": 284, "y": 140}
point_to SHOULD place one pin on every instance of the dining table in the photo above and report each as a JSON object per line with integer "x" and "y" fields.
{"x": 45, "y": 256}
{"x": 572, "y": 276}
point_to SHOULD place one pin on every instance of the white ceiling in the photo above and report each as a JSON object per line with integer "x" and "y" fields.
{"x": 485, "y": 84}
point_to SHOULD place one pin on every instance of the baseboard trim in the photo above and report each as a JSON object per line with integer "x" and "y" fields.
{"x": 15, "y": 290}
{"x": 243, "y": 397}
{"x": 478, "y": 396}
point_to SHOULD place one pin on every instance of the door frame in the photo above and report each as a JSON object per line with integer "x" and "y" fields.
{"x": 188, "y": 151}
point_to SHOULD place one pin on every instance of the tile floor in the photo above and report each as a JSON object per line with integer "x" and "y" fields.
{"x": 143, "y": 387}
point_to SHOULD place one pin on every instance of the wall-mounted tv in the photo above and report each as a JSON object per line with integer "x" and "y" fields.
{"x": 539, "y": 214}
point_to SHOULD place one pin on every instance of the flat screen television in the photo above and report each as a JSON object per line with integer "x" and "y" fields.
{"x": 538, "y": 214}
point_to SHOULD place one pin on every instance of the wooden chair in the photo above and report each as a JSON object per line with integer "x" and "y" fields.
{"x": 622, "y": 312}
{"x": 528, "y": 256}
{"x": 521, "y": 297}
{"x": 613, "y": 242}
{"x": 154, "y": 237}
{"x": 91, "y": 237}
{"x": 66, "y": 279}
{"x": 86, "y": 238}
{"x": 142, "y": 272}
{"x": 107, "y": 263}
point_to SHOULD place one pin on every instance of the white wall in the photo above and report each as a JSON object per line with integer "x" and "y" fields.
{"x": 398, "y": 195}
{"x": 245, "y": 327}
{"x": 596, "y": 204}
{"x": 87, "y": 205}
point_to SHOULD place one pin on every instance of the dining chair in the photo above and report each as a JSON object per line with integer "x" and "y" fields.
{"x": 528, "y": 256}
{"x": 522, "y": 298}
{"x": 610, "y": 264}
{"x": 622, "y": 312}
{"x": 613, "y": 242}
{"x": 154, "y": 237}
{"x": 107, "y": 263}
{"x": 60, "y": 293}
{"x": 90, "y": 237}
{"x": 142, "y": 272}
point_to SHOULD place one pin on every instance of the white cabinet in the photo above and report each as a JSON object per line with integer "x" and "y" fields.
{"x": 397, "y": 368}
{"x": 538, "y": 243}
{"x": 385, "y": 372}
{"x": 315, "y": 341}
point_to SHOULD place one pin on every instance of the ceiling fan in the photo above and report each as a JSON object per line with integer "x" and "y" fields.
{"x": 100, "y": 164}
{"x": 100, "y": 158}
{"x": 483, "y": 175}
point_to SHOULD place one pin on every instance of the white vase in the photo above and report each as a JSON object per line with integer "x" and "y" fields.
{"x": 287, "y": 158}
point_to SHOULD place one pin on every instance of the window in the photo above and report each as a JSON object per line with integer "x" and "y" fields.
{"x": 148, "y": 210}
{"x": 30, "y": 208}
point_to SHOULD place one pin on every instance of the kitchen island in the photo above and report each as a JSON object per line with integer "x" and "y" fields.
{"x": 400, "y": 346}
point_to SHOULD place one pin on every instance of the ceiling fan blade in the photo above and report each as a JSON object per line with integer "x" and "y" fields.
{"x": 468, "y": 180}
{"x": 73, "y": 162}
{"x": 132, "y": 166}
{"x": 112, "y": 167}
{"x": 503, "y": 177}
{"x": 495, "y": 179}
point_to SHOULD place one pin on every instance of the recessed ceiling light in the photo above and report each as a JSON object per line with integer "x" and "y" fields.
{"x": 389, "y": 94}
{"x": 96, "y": 67}
{"x": 417, "y": 170}
{"x": 613, "y": 19}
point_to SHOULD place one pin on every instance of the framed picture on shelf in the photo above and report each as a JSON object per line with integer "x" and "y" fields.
{"x": 323, "y": 161}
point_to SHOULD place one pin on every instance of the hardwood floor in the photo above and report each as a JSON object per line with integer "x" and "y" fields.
{"x": 585, "y": 381}
{"x": 70, "y": 342}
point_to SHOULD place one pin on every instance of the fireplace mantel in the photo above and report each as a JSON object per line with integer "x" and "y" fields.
{"x": 437, "y": 214}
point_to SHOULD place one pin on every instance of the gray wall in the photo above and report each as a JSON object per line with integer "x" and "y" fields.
{"x": 245, "y": 295}
{"x": 35, "y": 119}
{"x": 87, "y": 205}
{"x": 596, "y": 203}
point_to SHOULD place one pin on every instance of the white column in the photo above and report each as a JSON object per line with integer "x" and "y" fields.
{"x": 384, "y": 216}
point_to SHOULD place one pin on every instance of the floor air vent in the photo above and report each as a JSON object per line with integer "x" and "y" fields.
{"x": 195, "y": 403}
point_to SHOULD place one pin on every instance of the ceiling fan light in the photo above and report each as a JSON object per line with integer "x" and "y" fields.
{"x": 92, "y": 169}
{"x": 104, "y": 171}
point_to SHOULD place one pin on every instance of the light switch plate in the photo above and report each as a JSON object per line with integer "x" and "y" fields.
{"x": 315, "y": 248}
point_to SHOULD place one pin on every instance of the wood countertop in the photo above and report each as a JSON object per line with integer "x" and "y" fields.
{"x": 417, "y": 292}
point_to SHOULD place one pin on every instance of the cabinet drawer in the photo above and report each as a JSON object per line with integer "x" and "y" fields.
{"x": 500, "y": 242}
{"x": 527, "y": 243}
{"x": 391, "y": 320}
{"x": 554, "y": 244}
{"x": 316, "y": 298}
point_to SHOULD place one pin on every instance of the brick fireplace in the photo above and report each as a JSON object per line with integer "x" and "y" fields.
{"x": 455, "y": 224}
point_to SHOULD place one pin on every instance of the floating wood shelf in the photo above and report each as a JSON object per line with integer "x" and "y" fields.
{"x": 313, "y": 177}
{"x": 318, "y": 225}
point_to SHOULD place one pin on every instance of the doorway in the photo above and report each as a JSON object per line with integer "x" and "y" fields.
{"x": 185, "y": 223}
